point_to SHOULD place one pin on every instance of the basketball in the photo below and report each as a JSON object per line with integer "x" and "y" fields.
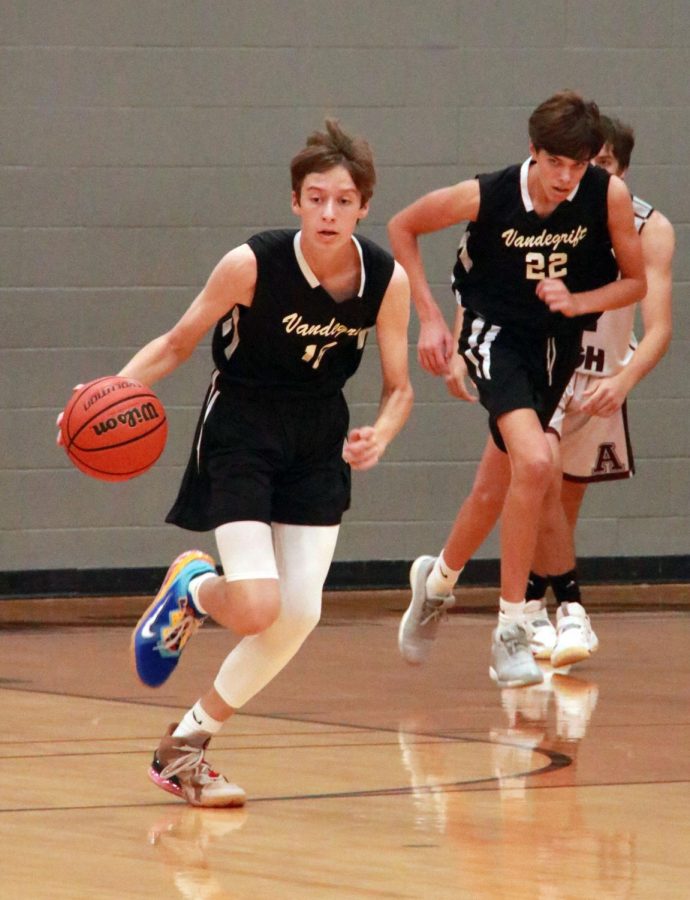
{"x": 114, "y": 428}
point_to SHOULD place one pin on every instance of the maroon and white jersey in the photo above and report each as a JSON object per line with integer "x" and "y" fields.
{"x": 610, "y": 346}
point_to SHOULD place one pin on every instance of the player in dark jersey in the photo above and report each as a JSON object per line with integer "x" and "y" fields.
{"x": 592, "y": 442}
{"x": 534, "y": 266}
{"x": 269, "y": 470}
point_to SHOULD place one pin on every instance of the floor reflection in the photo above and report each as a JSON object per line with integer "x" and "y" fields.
{"x": 181, "y": 839}
{"x": 524, "y": 834}
{"x": 548, "y": 715}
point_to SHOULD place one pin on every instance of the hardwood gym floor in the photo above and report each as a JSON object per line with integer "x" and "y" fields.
{"x": 366, "y": 778}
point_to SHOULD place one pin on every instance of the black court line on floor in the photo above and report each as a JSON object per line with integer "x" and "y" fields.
{"x": 441, "y": 740}
{"x": 455, "y": 788}
{"x": 556, "y": 759}
{"x": 271, "y": 716}
{"x": 352, "y": 728}
{"x": 257, "y": 734}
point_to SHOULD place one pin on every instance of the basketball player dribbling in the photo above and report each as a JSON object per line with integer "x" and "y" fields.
{"x": 269, "y": 470}
{"x": 534, "y": 268}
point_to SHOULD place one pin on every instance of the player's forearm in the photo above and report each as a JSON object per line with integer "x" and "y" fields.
{"x": 611, "y": 296}
{"x": 405, "y": 247}
{"x": 154, "y": 361}
{"x": 394, "y": 410}
{"x": 426, "y": 306}
{"x": 649, "y": 352}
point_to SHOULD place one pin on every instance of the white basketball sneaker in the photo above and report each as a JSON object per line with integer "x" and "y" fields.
{"x": 540, "y": 632}
{"x": 575, "y": 639}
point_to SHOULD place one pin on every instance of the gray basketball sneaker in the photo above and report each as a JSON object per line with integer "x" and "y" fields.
{"x": 419, "y": 624}
{"x": 512, "y": 663}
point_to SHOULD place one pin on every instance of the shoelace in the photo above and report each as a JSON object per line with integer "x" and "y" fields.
{"x": 433, "y": 610}
{"x": 181, "y": 633}
{"x": 191, "y": 763}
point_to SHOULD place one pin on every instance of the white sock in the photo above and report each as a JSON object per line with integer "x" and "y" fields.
{"x": 193, "y": 590}
{"x": 510, "y": 612}
{"x": 195, "y": 720}
{"x": 442, "y": 578}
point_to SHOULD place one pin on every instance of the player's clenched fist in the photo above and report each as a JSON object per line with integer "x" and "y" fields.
{"x": 362, "y": 448}
{"x": 557, "y": 297}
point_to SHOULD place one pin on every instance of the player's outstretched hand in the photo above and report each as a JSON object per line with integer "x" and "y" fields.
{"x": 362, "y": 449}
{"x": 557, "y": 297}
{"x": 58, "y": 421}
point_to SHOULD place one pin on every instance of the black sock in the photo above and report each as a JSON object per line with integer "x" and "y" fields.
{"x": 536, "y": 586}
{"x": 566, "y": 587}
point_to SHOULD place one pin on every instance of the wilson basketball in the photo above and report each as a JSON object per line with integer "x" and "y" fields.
{"x": 114, "y": 428}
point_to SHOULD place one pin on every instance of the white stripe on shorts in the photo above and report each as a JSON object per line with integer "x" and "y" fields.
{"x": 480, "y": 341}
{"x": 550, "y": 357}
{"x": 213, "y": 396}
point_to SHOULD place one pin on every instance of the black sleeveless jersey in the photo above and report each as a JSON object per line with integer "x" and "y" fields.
{"x": 295, "y": 337}
{"x": 509, "y": 248}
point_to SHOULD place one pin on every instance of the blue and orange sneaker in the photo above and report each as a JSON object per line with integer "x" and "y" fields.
{"x": 162, "y": 632}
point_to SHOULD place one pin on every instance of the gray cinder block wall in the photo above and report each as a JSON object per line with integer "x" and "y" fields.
{"x": 141, "y": 140}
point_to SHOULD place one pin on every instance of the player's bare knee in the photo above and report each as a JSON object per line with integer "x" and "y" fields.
{"x": 263, "y": 614}
{"x": 540, "y": 470}
{"x": 245, "y": 609}
{"x": 255, "y": 614}
{"x": 534, "y": 472}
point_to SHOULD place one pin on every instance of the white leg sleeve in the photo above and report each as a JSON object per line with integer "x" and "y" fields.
{"x": 303, "y": 554}
{"x": 246, "y": 550}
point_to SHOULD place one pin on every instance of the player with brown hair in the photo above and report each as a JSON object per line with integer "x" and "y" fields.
{"x": 269, "y": 470}
{"x": 534, "y": 268}
{"x": 590, "y": 426}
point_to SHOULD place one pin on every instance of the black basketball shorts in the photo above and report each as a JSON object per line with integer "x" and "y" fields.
{"x": 518, "y": 366}
{"x": 264, "y": 456}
